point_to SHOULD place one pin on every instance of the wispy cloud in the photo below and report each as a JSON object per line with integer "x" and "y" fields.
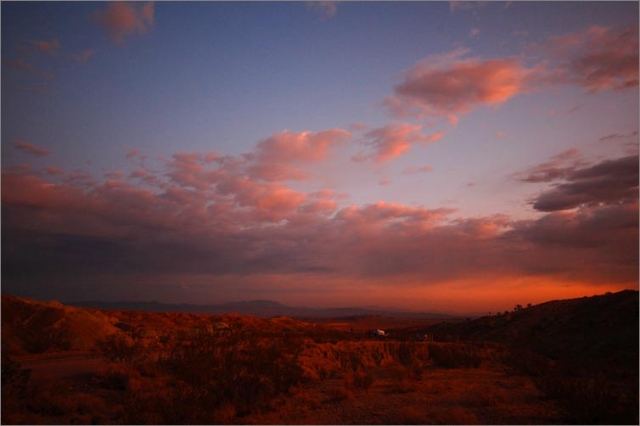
{"x": 413, "y": 170}
{"x": 393, "y": 140}
{"x": 123, "y": 19}
{"x": 83, "y": 56}
{"x": 30, "y": 148}
{"x": 597, "y": 59}
{"x": 325, "y": 9}
{"x": 51, "y": 47}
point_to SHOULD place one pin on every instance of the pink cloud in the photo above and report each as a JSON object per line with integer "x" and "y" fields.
{"x": 190, "y": 170}
{"x": 51, "y": 47}
{"x": 30, "y": 148}
{"x": 123, "y": 19}
{"x": 557, "y": 167}
{"x": 413, "y": 170}
{"x": 326, "y": 9}
{"x": 306, "y": 147}
{"x": 501, "y": 134}
{"x": 596, "y": 59}
{"x": 384, "y": 182}
{"x": 114, "y": 175}
{"x": 219, "y": 231}
{"x": 319, "y": 206}
{"x": 393, "y": 140}
{"x": 276, "y": 172}
{"x": 83, "y": 56}
{"x": 17, "y": 64}
{"x": 51, "y": 170}
{"x": 445, "y": 85}
{"x": 465, "y": 5}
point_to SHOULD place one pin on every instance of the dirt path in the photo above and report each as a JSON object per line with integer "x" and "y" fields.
{"x": 60, "y": 366}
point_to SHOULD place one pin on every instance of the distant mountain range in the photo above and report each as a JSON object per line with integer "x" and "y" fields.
{"x": 257, "y": 308}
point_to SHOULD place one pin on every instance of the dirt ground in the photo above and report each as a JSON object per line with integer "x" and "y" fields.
{"x": 441, "y": 396}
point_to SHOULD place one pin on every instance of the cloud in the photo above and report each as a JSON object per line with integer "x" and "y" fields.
{"x": 393, "y": 140}
{"x": 30, "y": 148}
{"x": 83, "y": 56}
{"x": 474, "y": 32}
{"x": 17, "y": 64}
{"x": 618, "y": 136}
{"x": 51, "y": 47}
{"x": 559, "y": 166}
{"x": 500, "y": 134}
{"x": 132, "y": 153}
{"x": 51, "y": 170}
{"x": 608, "y": 182}
{"x": 465, "y": 5}
{"x": 233, "y": 223}
{"x": 597, "y": 59}
{"x": 326, "y": 9}
{"x": 302, "y": 147}
{"x": 446, "y": 85}
{"x": 240, "y": 229}
{"x": 122, "y": 19}
{"x": 413, "y": 170}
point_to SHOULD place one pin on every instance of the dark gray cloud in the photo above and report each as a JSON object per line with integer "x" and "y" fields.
{"x": 611, "y": 181}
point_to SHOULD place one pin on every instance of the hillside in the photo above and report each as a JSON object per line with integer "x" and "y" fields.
{"x": 30, "y": 326}
{"x": 570, "y": 361}
{"x": 605, "y": 325}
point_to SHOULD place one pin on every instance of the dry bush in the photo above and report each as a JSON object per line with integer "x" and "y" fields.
{"x": 360, "y": 379}
{"x": 455, "y": 355}
{"x": 117, "y": 348}
{"x": 118, "y": 377}
{"x": 341, "y": 394}
{"x": 402, "y": 380}
{"x": 243, "y": 370}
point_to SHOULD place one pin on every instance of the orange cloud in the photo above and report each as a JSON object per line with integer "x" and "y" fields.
{"x": 395, "y": 139}
{"x": 445, "y": 85}
{"x": 122, "y": 19}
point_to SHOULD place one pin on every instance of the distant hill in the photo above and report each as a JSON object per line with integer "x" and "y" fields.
{"x": 257, "y": 308}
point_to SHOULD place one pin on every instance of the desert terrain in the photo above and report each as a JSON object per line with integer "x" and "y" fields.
{"x": 562, "y": 362}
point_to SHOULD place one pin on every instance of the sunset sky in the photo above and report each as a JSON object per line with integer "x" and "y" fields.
{"x": 434, "y": 156}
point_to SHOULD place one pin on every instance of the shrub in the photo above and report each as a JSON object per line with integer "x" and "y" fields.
{"x": 119, "y": 377}
{"x": 359, "y": 379}
{"x": 117, "y": 348}
{"x": 455, "y": 355}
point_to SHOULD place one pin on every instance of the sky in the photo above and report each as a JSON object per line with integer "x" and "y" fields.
{"x": 431, "y": 156}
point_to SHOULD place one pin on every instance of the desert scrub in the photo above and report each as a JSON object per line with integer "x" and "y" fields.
{"x": 117, "y": 348}
{"x": 455, "y": 355}
{"x": 245, "y": 371}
